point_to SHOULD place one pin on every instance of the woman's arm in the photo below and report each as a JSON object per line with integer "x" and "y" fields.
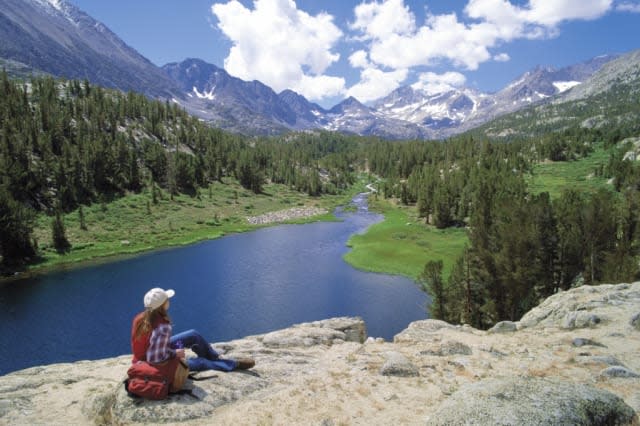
{"x": 159, "y": 349}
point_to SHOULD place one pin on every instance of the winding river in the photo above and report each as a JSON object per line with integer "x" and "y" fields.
{"x": 227, "y": 288}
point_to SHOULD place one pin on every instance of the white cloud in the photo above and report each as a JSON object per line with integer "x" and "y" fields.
{"x": 375, "y": 83}
{"x": 275, "y": 42}
{"x": 358, "y": 59}
{"x": 627, "y": 6}
{"x": 281, "y": 46}
{"x": 401, "y": 43}
{"x": 431, "y": 82}
{"x": 380, "y": 20}
{"x": 551, "y": 13}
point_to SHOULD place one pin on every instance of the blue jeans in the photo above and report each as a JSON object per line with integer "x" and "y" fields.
{"x": 208, "y": 358}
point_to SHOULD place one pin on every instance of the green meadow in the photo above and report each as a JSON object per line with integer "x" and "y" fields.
{"x": 134, "y": 224}
{"x": 554, "y": 177}
{"x": 402, "y": 243}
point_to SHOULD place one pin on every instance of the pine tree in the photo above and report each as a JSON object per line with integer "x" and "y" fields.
{"x": 58, "y": 232}
{"x": 83, "y": 223}
{"x": 16, "y": 226}
{"x": 431, "y": 280}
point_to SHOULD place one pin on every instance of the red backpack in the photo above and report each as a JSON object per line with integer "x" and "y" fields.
{"x": 147, "y": 381}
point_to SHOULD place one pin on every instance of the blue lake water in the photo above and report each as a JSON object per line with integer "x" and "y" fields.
{"x": 227, "y": 288}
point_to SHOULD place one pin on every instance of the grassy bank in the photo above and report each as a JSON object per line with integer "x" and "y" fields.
{"x": 402, "y": 243}
{"x": 554, "y": 177}
{"x": 134, "y": 224}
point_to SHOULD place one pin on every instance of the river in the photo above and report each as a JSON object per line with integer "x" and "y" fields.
{"x": 235, "y": 286}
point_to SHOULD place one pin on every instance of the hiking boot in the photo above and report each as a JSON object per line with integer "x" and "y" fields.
{"x": 245, "y": 363}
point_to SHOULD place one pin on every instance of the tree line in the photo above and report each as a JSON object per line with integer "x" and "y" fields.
{"x": 64, "y": 144}
{"x": 523, "y": 247}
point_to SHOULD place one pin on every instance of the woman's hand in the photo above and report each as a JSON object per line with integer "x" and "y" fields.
{"x": 180, "y": 353}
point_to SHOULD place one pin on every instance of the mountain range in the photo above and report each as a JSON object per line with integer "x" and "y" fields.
{"x": 55, "y": 37}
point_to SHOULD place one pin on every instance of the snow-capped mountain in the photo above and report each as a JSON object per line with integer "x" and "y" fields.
{"x": 351, "y": 116}
{"x": 433, "y": 111}
{"x": 238, "y": 105}
{"x": 252, "y": 107}
{"x": 609, "y": 95}
{"x": 55, "y": 37}
{"x": 457, "y": 110}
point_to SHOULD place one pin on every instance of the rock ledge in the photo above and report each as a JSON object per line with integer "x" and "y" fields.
{"x": 571, "y": 360}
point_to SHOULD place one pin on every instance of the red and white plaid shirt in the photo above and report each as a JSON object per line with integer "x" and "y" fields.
{"x": 159, "y": 349}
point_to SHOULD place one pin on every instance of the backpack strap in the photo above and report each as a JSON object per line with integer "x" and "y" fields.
{"x": 193, "y": 376}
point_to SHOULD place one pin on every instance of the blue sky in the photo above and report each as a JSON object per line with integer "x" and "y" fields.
{"x": 330, "y": 49}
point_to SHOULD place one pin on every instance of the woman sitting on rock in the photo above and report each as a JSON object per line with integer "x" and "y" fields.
{"x": 151, "y": 339}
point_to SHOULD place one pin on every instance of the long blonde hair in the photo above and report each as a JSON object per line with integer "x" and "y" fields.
{"x": 145, "y": 325}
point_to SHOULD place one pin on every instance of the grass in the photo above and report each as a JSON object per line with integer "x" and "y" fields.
{"x": 554, "y": 177}
{"x": 133, "y": 224}
{"x": 402, "y": 244}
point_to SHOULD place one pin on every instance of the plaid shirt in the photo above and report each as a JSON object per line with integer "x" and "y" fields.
{"x": 159, "y": 349}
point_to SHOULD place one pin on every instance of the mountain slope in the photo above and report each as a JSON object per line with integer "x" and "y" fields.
{"x": 458, "y": 110}
{"x": 226, "y": 101}
{"x": 252, "y": 107}
{"x": 353, "y": 117}
{"x": 609, "y": 96}
{"x": 56, "y": 37}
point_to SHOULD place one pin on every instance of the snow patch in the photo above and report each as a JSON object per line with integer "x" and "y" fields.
{"x": 563, "y": 86}
{"x": 516, "y": 83}
{"x": 55, "y": 4}
{"x": 206, "y": 95}
{"x": 57, "y": 7}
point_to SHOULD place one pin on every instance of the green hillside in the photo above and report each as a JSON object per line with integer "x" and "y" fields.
{"x": 555, "y": 176}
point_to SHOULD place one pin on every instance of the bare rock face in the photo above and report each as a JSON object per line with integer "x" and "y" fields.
{"x": 534, "y": 401}
{"x": 557, "y": 365}
{"x": 577, "y": 307}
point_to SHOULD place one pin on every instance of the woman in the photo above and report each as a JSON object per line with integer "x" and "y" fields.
{"x": 151, "y": 340}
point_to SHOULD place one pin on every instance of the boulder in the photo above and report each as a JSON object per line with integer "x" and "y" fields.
{"x": 572, "y": 308}
{"x": 420, "y": 331}
{"x": 325, "y": 332}
{"x": 503, "y": 327}
{"x": 397, "y": 364}
{"x": 539, "y": 401}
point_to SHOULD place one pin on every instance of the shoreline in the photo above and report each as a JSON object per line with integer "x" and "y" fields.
{"x": 304, "y": 215}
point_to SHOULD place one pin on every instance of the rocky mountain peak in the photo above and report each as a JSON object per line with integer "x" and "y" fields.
{"x": 55, "y": 37}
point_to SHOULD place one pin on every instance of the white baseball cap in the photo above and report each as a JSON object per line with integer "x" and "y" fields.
{"x": 156, "y": 297}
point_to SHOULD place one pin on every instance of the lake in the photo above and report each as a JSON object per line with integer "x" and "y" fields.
{"x": 235, "y": 286}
